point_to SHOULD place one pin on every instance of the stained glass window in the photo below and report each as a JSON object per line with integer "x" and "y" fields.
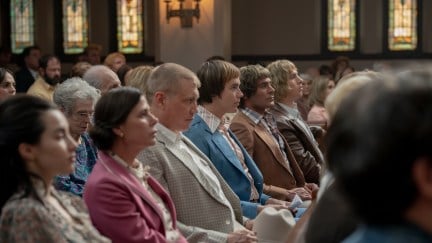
{"x": 22, "y": 25}
{"x": 341, "y": 25}
{"x": 402, "y": 25}
{"x": 75, "y": 27}
{"x": 129, "y": 26}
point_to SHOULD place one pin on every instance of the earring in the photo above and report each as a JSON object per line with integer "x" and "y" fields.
{"x": 121, "y": 135}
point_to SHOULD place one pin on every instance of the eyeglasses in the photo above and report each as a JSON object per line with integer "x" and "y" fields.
{"x": 83, "y": 115}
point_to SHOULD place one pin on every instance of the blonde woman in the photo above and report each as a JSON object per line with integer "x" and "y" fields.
{"x": 321, "y": 88}
{"x": 115, "y": 60}
{"x": 138, "y": 76}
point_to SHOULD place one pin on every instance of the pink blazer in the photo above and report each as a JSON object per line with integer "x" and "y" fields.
{"x": 120, "y": 207}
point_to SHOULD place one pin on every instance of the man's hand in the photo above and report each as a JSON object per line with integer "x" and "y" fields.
{"x": 302, "y": 192}
{"x": 242, "y": 236}
{"x": 274, "y": 201}
{"x": 248, "y": 224}
{"x": 310, "y": 187}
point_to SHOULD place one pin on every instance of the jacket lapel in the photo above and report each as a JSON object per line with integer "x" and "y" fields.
{"x": 262, "y": 133}
{"x": 222, "y": 145}
{"x": 305, "y": 136}
{"x": 189, "y": 163}
{"x": 158, "y": 189}
{"x": 253, "y": 169}
{"x": 131, "y": 182}
{"x": 225, "y": 149}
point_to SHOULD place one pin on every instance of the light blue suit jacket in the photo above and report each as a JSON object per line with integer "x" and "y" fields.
{"x": 229, "y": 166}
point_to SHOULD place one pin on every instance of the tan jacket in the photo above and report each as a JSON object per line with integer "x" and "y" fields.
{"x": 267, "y": 155}
{"x": 41, "y": 89}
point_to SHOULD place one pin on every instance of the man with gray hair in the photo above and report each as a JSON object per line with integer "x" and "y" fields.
{"x": 207, "y": 209}
{"x": 102, "y": 78}
{"x": 76, "y": 99}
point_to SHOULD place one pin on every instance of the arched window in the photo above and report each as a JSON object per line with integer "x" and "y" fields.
{"x": 341, "y": 25}
{"x": 75, "y": 26}
{"x": 130, "y": 26}
{"x": 402, "y": 31}
{"x": 22, "y": 24}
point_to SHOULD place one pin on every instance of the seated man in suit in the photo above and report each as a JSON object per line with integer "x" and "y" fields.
{"x": 207, "y": 209}
{"x": 50, "y": 76}
{"x": 288, "y": 89}
{"x": 220, "y": 93}
{"x": 256, "y": 129}
{"x": 29, "y": 71}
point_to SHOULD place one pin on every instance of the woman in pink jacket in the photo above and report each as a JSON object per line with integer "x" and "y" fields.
{"x": 125, "y": 203}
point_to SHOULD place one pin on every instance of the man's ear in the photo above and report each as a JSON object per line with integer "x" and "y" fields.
{"x": 27, "y": 151}
{"x": 159, "y": 98}
{"x": 422, "y": 176}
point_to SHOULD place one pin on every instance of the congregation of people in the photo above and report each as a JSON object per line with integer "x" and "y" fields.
{"x": 257, "y": 153}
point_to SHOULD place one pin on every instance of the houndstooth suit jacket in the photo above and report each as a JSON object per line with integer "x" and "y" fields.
{"x": 202, "y": 216}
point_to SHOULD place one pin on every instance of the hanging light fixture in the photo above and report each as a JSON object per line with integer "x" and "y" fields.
{"x": 186, "y": 15}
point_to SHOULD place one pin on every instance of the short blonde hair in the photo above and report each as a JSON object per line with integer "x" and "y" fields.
{"x": 167, "y": 78}
{"x": 138, "y": 76}
{"x": 346, "y": 86}
{"x": 79, "y": 69}
{"x": 109, "y": 60}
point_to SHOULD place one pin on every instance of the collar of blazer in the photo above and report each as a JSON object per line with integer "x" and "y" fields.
{"x": 220, "y": 142}
{"x": 120, "y": 173}
{"x": 189, "y": 163}
{"x": 264, "y": 135}
{"x": 282, "y": 116}
{"x": 280, "y": 113}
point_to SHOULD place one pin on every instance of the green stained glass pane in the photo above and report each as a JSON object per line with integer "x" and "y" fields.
{"x": 402, "y": 25}
{"x": 22, "y": 24}
{"x": 341, "y": 25}
{"x": 129, "y": 26}
{"x": 75, "y": 26}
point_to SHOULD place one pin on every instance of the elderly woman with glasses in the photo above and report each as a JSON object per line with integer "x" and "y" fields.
{"x": 76, "y": 99}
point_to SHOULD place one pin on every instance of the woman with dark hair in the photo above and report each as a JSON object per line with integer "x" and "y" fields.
{"x": 35, "y": 145}
{"x": 126, "y": 204}
{"x": 7, "y": 84}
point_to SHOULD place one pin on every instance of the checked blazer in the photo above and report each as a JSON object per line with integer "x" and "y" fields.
{"x": 202, "y": 216}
